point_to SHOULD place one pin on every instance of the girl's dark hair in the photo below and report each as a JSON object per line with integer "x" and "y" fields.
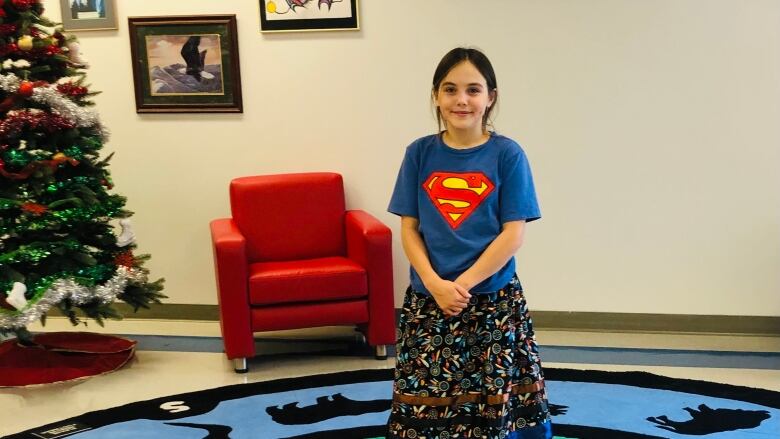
{"x": 476, "y": 58}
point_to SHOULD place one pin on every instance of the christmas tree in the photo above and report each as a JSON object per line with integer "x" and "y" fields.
{"x": 58, "y": 244}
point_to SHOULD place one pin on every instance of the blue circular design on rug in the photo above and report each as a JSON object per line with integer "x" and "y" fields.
{"x": 355, "y": 404}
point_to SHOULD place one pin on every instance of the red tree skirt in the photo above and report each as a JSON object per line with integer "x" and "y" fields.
{"x": 62, "y": 356}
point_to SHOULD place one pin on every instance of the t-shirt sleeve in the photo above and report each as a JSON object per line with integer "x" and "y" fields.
{"x": 517, "y": 196}
{"x": 404, "y": 199}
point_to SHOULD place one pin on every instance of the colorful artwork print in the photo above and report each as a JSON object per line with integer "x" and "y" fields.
{"x": 185, "y": 65}
{"x": 308, "y": 15}
{"x": 307, "y": 9}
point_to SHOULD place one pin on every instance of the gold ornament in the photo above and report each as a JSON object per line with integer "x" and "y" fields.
{"x": 25, "y": 43}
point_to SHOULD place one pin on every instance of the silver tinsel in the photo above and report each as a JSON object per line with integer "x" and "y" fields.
{"x": 49, "y": 95}
{"x": 78, "y": 294}
{"x": 9, "y": 83}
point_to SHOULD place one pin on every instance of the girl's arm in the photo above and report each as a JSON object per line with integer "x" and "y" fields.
{"x": 451, "y": 297}
{"x": 506, "y": 244}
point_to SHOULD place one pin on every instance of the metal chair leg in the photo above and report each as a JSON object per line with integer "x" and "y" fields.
{"x": 239, "y": 364}
{"x": 381, "y": 352}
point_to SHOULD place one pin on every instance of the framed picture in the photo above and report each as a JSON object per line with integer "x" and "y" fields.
{"x": 308, "y": 15}
{"x": 185, "y": 64}
{"x": 88, "y": 14}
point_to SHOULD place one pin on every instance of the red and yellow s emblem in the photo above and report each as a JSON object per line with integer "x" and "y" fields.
{"x": 457, "y": 195}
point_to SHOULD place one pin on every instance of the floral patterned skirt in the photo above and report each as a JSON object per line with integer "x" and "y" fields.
{"x": 474, "y": 375}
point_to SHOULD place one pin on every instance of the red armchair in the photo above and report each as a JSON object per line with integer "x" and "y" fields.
{"x": 292, "y": 257}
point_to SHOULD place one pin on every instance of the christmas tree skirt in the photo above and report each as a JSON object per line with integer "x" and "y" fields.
{"x": 62, "y": 356}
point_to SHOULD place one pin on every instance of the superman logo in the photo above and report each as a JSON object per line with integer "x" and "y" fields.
{"x": 457, "y": 195}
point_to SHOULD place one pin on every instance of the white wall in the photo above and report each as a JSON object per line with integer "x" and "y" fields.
{"x": 651, "y": 127}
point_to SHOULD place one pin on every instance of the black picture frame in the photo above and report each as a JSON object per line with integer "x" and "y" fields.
{"x": 185, "y": 64}
{"x": 318, "y": 22}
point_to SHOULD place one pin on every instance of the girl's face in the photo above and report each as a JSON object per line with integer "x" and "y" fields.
{"x": 463, "y": 98}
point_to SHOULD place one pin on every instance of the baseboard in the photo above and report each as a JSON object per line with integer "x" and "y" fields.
{"x": 545, "y": 320}
{"x": 639, "y": 322}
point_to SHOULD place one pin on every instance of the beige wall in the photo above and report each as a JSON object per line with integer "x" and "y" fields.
{"x": 651, "y": 127}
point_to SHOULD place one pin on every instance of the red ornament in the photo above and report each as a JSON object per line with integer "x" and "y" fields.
{"x": 35, "y": 208}
{"x": 53, "y": 50}
{"x": 125, "y": 259}
{"x": 26, "y": 88}
{"x": 2, "y": 12}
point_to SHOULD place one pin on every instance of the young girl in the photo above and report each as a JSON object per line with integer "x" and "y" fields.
{"x": 467, "y": 362}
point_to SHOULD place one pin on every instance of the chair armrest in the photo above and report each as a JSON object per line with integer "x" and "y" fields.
{"x": 230, "y": 267}
{"x": 369, "y": 243}
{"x": 367, "y": 238}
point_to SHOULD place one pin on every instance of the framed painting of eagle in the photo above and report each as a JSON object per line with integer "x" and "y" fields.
{"x": 185, "y": 64}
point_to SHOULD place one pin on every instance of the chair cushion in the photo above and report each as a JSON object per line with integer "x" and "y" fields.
{"x": 289, "y": 217}
{"x": 309, "y": 280}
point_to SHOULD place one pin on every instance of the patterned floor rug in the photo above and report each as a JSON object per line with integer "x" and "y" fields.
{"x": 355, "y": 404}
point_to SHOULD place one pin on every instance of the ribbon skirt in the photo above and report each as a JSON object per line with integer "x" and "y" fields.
{"x": 474, "y": 375}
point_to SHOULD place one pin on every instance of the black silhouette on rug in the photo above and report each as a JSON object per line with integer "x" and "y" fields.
{"x": 327, "y": 407}
{"x": 556, "y": 410}
{"x": 707, "y": 421}
{"x": 215, "y": 431}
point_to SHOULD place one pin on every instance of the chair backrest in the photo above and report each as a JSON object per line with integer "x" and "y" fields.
{"x": 290, "y": 216}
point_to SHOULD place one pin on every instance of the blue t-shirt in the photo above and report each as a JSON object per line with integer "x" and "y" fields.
{"x": 461, "y": 197}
